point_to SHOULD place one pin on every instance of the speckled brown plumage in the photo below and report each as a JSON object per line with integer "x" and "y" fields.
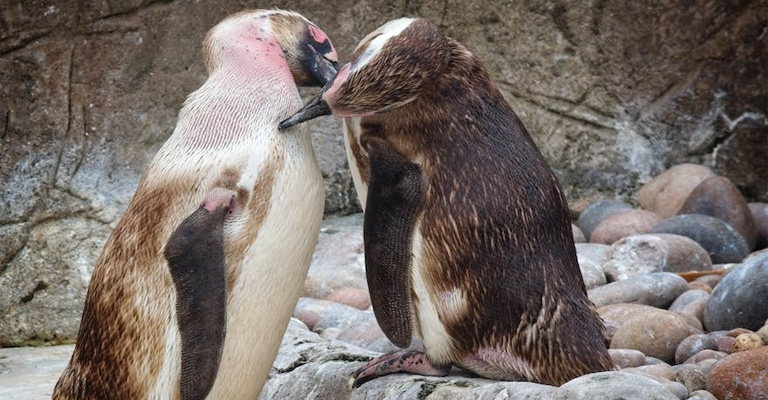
{"x": 494, "y": 226}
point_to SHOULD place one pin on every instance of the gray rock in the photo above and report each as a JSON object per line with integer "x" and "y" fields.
{"x": 685, "y": 299}
{"x": 642, "y": 254}
{"x": 616, "y": 385}
{"x": 311, "y": 367}
{"x": 702, "y": 395}
{"x": 596, "y": 252}
{"x": 591, "y": 271}
{"x": 678, "y": 389}
{"x": 329, "y": 318}
{"x": 627, "y": 358}
{"x": 578, "y": 235}
{"x": 597, "y": 212}
{"x": 692, "y": 345}
{"x": 723, "y": 243}
{"x": 738, "y": 300}
{"x": 305, "y": 360}
{"x": 693, "y": 376}
{"x": 658, "y": 289}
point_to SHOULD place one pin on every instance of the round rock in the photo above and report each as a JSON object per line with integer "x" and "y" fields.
{"x": 643, "y": 254}
{"x": 657, "y": 289}
{"x": 613, "y": 385}
{"x": 738, "y": 301}
{"x": 720, "y": 198}
{"x": 706, "y": 354}
{"x": 597, "y": 212}
{"x": 740, "y": 376}
{"x": 723, "y": 243}
{"x": 623, "y": 224}
{"x": 351, "y": 296}
{"x": 666, "y": 193}
{"x": 687, "y": 298}
{"x": 656, "y": 334}
{"x": 578, "y": 235}
{"x": 760, "y": 217}
{"x": 692, "y": 345}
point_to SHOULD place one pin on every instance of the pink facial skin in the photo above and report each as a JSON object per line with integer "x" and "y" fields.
{"x": 331, "y": 95}
{"x": 321, "y": 37}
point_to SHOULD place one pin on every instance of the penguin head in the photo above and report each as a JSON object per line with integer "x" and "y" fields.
{"x": 280, "y": 37}
{"x": 390, "y": 68}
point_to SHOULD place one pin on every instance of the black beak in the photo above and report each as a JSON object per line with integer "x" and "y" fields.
{"x": 315, "y": 108}
{"x": 321, "y": 70}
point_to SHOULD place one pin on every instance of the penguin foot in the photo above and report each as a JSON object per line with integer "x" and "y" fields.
{"x": 412, "y": 361}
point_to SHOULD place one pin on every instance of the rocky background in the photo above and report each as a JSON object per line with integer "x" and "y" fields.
{"x": 613, "y": 92}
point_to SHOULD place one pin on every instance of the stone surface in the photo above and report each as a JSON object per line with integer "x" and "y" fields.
{"x": 591, "y": 263}
{"x": 693, "y": 376}
{"x": 720, "y": 198}
{"x": 353, "y": 297}
{"x": 623, "y": 224}
{"x": 657, "y": 289}
{"x": 740, "y": 376}
{"x": 702, "y": 395}
{"x": 723, "y": 243}
{"x": 627, "y": 358}
{"x": 616, "y": 385}
{"x": 647, "y": 371}
{"x": 666, "y": 193}
{"x": 339, "y": 259}
{"x": 642, "y": 254}
{"x": 763, "y": 333}
{"x": 655, "y": 333}
{"x": 706, "y": 354}
{"x": 685, "y": 299}
{"x": 692, "y": 345}
{"x": 738, "y": 300}
{"x": 747, "y": 341}
{"x": 578, "y": 235}
{"x": 28, "y": 373}
{"x": 760, "y": 217}
{"x": 597, "y": 212}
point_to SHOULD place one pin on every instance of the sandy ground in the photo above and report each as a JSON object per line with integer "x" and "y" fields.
{"x": 29, "y": 373}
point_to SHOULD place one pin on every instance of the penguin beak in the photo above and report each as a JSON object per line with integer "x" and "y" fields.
{"x": 315, "y": 108}
{"x": 321, "y": 70}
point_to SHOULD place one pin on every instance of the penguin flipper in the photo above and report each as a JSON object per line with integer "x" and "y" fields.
{"x": 395, "y": 194}
{"x": 195, "y": 255}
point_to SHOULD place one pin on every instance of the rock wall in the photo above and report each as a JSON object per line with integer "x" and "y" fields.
{"x": 612, "y": 91}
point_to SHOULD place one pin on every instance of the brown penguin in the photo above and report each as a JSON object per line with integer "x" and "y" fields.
{"x": 187, "y": 303}
{"x": 467, "y": 232}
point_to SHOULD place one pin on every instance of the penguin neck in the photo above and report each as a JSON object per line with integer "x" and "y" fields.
{"x": 235, "y": 99}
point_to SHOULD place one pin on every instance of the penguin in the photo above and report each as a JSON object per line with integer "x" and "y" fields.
{"x": 467, "y": 232}
{"x": 196, "y": 285}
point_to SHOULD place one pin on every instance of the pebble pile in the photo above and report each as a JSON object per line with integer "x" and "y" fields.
{"x": 681, "y": 283}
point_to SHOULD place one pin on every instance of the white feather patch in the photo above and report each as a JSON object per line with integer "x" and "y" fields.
{"x": 381, "y": 37}
{"x": 437, "y": 342}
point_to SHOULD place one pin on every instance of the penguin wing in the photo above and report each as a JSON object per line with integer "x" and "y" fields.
{"x": 395, "y": 194}
{"x": 195, "y": 255}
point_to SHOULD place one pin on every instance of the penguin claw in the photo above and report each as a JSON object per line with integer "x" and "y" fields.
{"x": 412, "y": 361}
